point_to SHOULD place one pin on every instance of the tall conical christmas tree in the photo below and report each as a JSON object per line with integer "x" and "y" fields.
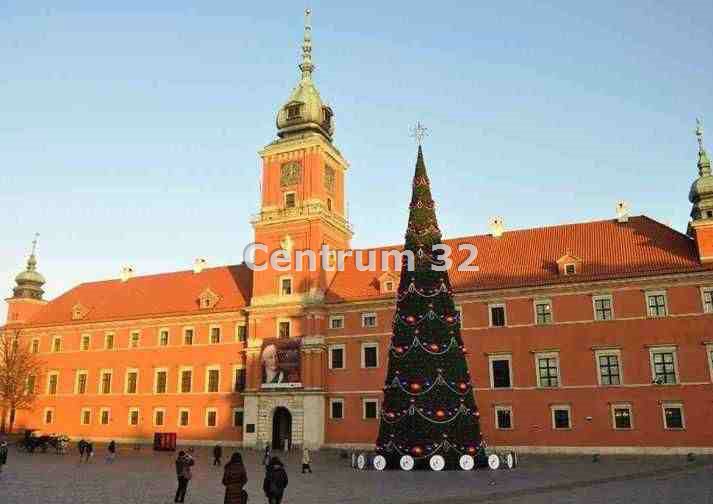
{"x": 429, "y": 407}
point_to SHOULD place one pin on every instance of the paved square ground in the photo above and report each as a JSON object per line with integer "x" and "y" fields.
{"x": 148, "y": 477}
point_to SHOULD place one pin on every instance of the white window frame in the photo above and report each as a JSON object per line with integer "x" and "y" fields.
{"x": 81, "y": 342}
{"x": 101, "y": 416}
{"x": 333, "y": 400}
{"x": 568, "y": 265}
{"x": 343, "y": 348}
{"x": 497, "y": 357}
{"x": 237, "y": 332}
{"x": 236, "y": 372}
{"x": 277, "y": 327}
{"x": 82, "y": 412}
{"x": 153, "y": 417}
{"x": 704, "y": 290}
{"x": 603, "y": 297}
{"x": 279, "y": 285}
{"x": 567, "y": 407}
{"x": 548, "y": 355}
{"x": 207, "y": 412}
{"x": 210, "y": 334}
{"x": 32, "y": 345}
{"x": 540, "y": 301}
{"x": 622, "y": 405}
{"x": 179, "y": 385}
{"x": 156, "y": 371}
{"x": 233, "y": 411}
{"x": 366, "y": 315}
{"x": 126, "y": 380}
{"x": 284, "y": 199}
{"x": 664, "y": 349}
{"x": 366, "y": 400}
{"x": 44, "y": 416}
{"x": 133, "y": 333}
{"x": 168, "y": 337}
{"x": 665, "y": 303}
{"x": 193, "y": 337}
{"x": 503, "y": 407}
{"x": 604, "y": 352}
{"x": 113, "y": 340}
{"x": 79, "y": 373}
{"x": 49, "y": 380}
{"x": 364, "y": 346}
{"x": 178, "y": 419}
{"x": 333, "y": 318}
{"x": 55, "y": 339}
{"x": 100, "y": 387}
{"x": 673, "y": 404}
{"x": 208, "y": 369}
{"x": 490, "y": 314}
{"x": 138, "y": 417}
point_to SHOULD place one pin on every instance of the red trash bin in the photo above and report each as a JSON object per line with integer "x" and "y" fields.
{"x": 164, "y": 441}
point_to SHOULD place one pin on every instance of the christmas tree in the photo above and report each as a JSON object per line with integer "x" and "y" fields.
{"x": 429, "y": 408}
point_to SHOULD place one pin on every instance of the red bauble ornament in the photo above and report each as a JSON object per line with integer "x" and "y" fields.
{"x": 463, "y": 386}
{"x": 417, "y": 450}
{"x": 399, "y": 349}
{"x": 433, "y": 347}
{"x": 440, "y": 413}
{"x": 471, "y": 449}
{"x": 410, "y": 319}
{"x": 415, "y": 387}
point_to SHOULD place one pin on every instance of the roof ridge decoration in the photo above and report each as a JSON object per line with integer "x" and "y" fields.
{"x": 307, "y": 67}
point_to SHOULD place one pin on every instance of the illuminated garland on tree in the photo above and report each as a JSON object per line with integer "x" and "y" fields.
{"x": 429, "y": 407}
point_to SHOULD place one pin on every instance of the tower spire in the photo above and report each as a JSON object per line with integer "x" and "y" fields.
{"x": 704, "y": 164}
{"x": 307, "y": 67}
{"x": 30, "y": 282}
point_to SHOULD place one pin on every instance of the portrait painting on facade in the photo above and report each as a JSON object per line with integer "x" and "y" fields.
{"x": 280, "y": 363}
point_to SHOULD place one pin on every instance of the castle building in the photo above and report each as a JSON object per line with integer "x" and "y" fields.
{"x": 585, "y": 336}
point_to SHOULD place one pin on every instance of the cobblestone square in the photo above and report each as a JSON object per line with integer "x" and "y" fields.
{"x": 148, "y": 477}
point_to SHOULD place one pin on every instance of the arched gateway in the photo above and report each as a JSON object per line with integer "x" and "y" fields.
{"x": 281, "y": 428}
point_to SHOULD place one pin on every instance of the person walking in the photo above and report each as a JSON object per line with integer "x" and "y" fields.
{"x": 183, "y": 474}
{"x": 111, "y": 452}
{"x": 3, "y": 455}
{"x": 88, "y": 450}
{"x": 82, "y": 445}
{"x": 217, "y": 455}
{"x": 234, "y": 479}
{"x": 275, "y": 481}
{"x": 306, "y": 460}
{"x": 268, "y": 455}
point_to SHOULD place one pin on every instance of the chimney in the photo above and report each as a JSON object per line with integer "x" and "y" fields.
{"x": 497, "y": 227}
{"x": 199, "y": 265}
{"x": 127, "y": 272}
{"x": 622, "y": 211}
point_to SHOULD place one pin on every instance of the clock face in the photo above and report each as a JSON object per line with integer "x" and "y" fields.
{"x": 379, "y": 462}
{"x": 437, "y": 463}
{"x": 290, "y": 173}
{"x": 406, "y": 462}
{"x": 466, "y": 462}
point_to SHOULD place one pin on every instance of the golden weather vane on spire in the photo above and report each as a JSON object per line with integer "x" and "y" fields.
{"x": 699, "y": 133}
{"x": 307, "y": 66}
{"x": 34, "y": 244}
{"x": 419, "y": 132}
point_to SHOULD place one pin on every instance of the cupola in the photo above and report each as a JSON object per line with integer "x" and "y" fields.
{"x": 304, "y": 110}
{"x": 29, "y": 282}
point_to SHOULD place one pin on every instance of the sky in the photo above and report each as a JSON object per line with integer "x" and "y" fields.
{"x": 129, "y": 131}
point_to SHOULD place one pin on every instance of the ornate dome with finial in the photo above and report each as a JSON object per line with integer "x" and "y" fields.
{"x": 304, "y": 110}
{"x": 701, "y": 193}
{"x": 30, "y": 282}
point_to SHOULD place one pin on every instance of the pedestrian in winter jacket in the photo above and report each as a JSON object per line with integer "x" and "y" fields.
{"x": 111, "y": 452}
{"x": 217, "y": 455}
{"x": 234, "y": 478}
{"x": 3, "y": 455}
{"x": 184, "y": 474}
{"x": 275, "y": 481}
{"x": 306, "y": 460}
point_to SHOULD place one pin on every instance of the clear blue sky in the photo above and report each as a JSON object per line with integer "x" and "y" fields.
{"x": 129, "y": 130}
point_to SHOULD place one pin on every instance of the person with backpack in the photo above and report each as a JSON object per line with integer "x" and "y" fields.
{"x": 3, "y": 455}
{"x": 234, "y": 479}
{"x": 275, "y": 481}
{"x": 183, "y": 474}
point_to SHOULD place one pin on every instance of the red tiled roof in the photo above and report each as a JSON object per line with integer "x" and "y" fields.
{"x": 528, "y": 257}
{"x": 152, "y": 295}
{"x": 608, "y": 250}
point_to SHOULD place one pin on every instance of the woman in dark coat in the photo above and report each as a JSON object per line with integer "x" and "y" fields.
{"x": 234, "y": 479}
{"x": 183, "y": 474}
{"x": 275, "y": 481}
